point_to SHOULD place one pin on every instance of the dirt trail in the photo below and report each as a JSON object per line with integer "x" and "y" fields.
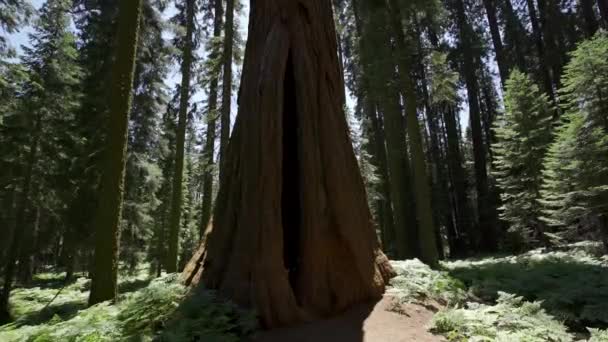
{"x": 365, "y": 323}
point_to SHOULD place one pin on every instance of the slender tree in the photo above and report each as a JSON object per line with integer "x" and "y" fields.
{"x": 426, "y": 227}
{"x": 105, "y": 267}
{"x": 501, "y": 58}
{"x": 227, "y": 60}
{"x": 486, "y": 213}
{"x": 212, "y": 115}
{"x": 178, "y": 171}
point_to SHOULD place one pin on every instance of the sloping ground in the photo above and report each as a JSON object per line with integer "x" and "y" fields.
{"x": 374, "y": 322}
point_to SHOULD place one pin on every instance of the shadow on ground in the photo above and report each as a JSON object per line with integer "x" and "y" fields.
{"x": 574, "y": 291}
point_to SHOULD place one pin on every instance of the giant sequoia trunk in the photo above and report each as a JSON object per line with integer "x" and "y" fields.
{"x": 292, "y": 234}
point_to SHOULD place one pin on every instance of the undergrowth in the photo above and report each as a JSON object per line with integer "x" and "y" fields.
{"x": 571, "y": 284}
{"x": 160, "y": 311}
{"x": 558, "y": 295}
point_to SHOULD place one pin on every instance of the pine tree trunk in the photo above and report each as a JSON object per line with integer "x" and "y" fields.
{"x": 178, "y": 171}
{"x": 540, "y": 47}
{"x": 422, "y": 191}
{"x": 388, "y": 228}
{"x": 107, "y": 222}
{"x": 548, "y": 12}
{"x": 28, "y": 248}
{"x": 226, "y": 82}
{"x": 501, "y": 58}
{"x": 292, "y": 234}
{"x": 209, "y": 149}
{"x": 462, "y": 212}
{"x": 488, "y": 239}
{"x": 514, "y": 34}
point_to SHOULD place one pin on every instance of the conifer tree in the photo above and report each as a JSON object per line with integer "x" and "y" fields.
{"x": 48, "y": 101}
{"x": 523, "y": 135}
{"x": 576, "y": 177}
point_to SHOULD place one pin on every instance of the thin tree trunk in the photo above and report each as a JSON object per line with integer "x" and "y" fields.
{"x": 426, "y": 226}
{"x": 487, "y": 220}
{"x": 387, "y": 209}
{"x": 28, "y": 248}
{"x": 178, "y": 171}
{"x": 211, "y": 128}
{"x": 591, "y": 25}
{"x": 603, "y": 6}
{"x": 540, "y": 47}
{"x": 226, "y": 82}
{"x": 514, "y": 34}
{"x": 501, "y": 58}
{"x": 461, "y": 207}
{"x": 105, "y": 266}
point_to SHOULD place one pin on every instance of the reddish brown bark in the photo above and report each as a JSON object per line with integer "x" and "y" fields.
{"x": 292, "y": 236}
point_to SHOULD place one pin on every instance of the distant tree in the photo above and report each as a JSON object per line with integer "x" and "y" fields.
{"x": 523, "y": 135}
{"x": 486, "y": 212}
{"x": 178, "y": 165}
{"x": 227, "y": 59}
{"x": 108, "y": 218}
{"x": 143, "y": 176}
{"x": 428, "y": 251}
{"x": 213, "y": 73}
{"x": 575, "y": 191}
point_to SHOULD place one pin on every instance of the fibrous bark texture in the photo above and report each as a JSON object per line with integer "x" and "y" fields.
{"x": 292, "y": 234}
{"x": 105, "y": 263}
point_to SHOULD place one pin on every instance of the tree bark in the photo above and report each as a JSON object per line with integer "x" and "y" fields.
{"x": 292, "y": 234}
{"x": 226, "y": 82}
{"x": 178, "y": 171}
{"x": 105, "y": 265}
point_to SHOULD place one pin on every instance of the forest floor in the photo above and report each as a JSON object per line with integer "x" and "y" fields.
{"x": 558, "y": 295}
{"x": 374, "y": 322}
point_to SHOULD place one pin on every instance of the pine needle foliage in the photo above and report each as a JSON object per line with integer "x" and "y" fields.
{"x": 523, "y": 134}
{"x": 575, "y": 189}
